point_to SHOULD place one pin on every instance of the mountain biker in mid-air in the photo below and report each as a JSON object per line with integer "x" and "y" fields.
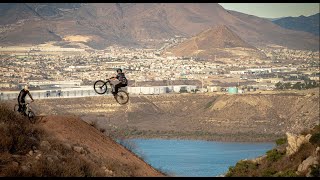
{"x": 119, "y": 81}
{"x": 22, "y": 98}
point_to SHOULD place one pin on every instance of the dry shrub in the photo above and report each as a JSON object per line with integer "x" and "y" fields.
{"x": 11, "y": 170}
{"x": 5, "y": 162}
{"x": 303, "y": 153}
{"x": 66, "y": 163}
{"x": 121, "y": 170}
{"x": 69, "y": 166}
{"x": 18, "y": 135}
{"x": 102, "y": 130}
{"x": 92, "y": 123}
{"x": 315, "y": 139}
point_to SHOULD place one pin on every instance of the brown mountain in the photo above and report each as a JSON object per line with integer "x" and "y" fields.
{"x": 217, "y": 41}
{"x": 133, "y": 23}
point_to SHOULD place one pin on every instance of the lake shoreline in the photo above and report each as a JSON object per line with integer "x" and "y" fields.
{"x": 206, "y": 136}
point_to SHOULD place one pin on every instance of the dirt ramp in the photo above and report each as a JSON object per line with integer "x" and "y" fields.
{"x": 97, "y": 147}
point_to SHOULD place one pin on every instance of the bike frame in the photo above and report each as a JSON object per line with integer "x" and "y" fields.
{"x": 111, "y": 85}
{"x": 27, "y": 107}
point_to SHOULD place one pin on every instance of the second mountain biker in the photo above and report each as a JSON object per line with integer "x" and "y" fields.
{"x": 21, "y": 98}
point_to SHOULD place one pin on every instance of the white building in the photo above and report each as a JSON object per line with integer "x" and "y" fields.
{"x": 214, "y": 88}
{"x": 160, "y": 89}
{"x": 56, "y": 83}
{"x": 81, "y": 91}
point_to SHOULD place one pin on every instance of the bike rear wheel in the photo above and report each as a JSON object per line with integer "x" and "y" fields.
{"x": 100, "y": 87}
{"x": 31, "y": 117}
{"x": 122, "y": 97}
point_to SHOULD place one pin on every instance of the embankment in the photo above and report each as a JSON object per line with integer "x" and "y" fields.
{"x": 224, "y": 117}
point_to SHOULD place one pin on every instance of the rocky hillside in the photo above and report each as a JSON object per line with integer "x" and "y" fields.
{"x": 302, "y": 23}
{"x": 134, "y": 24}
{"x": 240, "y": 117}
{"x": 62, "y": 146}
{"x": 218, "y": 41}
{"x": 296, "y": 155}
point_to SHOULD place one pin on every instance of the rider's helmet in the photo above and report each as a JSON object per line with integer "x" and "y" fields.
{"x": 26, "y": 87}
{"x": 119, "y": 70}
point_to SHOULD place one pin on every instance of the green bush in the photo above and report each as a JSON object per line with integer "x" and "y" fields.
{"x": 281, "y": 141}
{"x": 242, "y": 168}
{"x": 288, "y": 173}
{"x": 315, "y": 139}
{"x": 274, "y": 155}
{"x": 269, "y": 172}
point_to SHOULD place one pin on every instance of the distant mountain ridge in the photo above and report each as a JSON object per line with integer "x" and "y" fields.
{"x": 302, "y": 23}
{"x": 134, "y": 24}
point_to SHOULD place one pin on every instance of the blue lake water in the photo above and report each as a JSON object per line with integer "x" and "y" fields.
{"x": 194, "y": 158}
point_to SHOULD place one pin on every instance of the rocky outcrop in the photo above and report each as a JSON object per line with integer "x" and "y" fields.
{"x": 80, "y": 150}
{"x": 295, "y": 141}
{"x": 305, "y": 166}
{"x": 258, "y": 160}
{"x": 311, "y": 160}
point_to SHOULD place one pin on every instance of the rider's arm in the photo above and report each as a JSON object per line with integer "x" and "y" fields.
{"x": 113, "y": 78}
{"x": 30, "y": 95}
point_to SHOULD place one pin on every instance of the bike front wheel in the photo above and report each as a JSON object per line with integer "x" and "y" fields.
{"x": 122, "y": 97}
{"x": 31, "y": 117}
{"x": 100, "y": 87}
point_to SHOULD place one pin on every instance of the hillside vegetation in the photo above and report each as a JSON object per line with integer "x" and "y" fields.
{"x": 295, "y": 155}
{"x": 26, "y": 150}
{"x": 42, "y": 150}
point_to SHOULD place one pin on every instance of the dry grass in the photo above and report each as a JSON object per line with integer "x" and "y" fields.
{"x": 19, "y": 136}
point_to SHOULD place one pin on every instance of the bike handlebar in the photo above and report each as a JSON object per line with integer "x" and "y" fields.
{"x": 28, "y": 102}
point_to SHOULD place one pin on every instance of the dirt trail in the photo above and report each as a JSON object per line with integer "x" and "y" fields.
{"x": 73, "y": 130}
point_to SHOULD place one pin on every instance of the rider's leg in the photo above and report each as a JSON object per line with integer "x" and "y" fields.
{"x": 112, "y": 88}
{"x": 20, "y": 106}
{"x": 116, "y": 88}
{"x": 23, "y": 106}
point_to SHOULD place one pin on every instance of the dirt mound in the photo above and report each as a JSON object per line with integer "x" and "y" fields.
{"x": 72, "y": 130}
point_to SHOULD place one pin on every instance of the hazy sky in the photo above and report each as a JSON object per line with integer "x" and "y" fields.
{"x": 274, "y": 10}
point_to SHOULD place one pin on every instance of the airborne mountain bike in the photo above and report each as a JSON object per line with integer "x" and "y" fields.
{"x": 101, "y": 87}
{"x": 26, "y": 111}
